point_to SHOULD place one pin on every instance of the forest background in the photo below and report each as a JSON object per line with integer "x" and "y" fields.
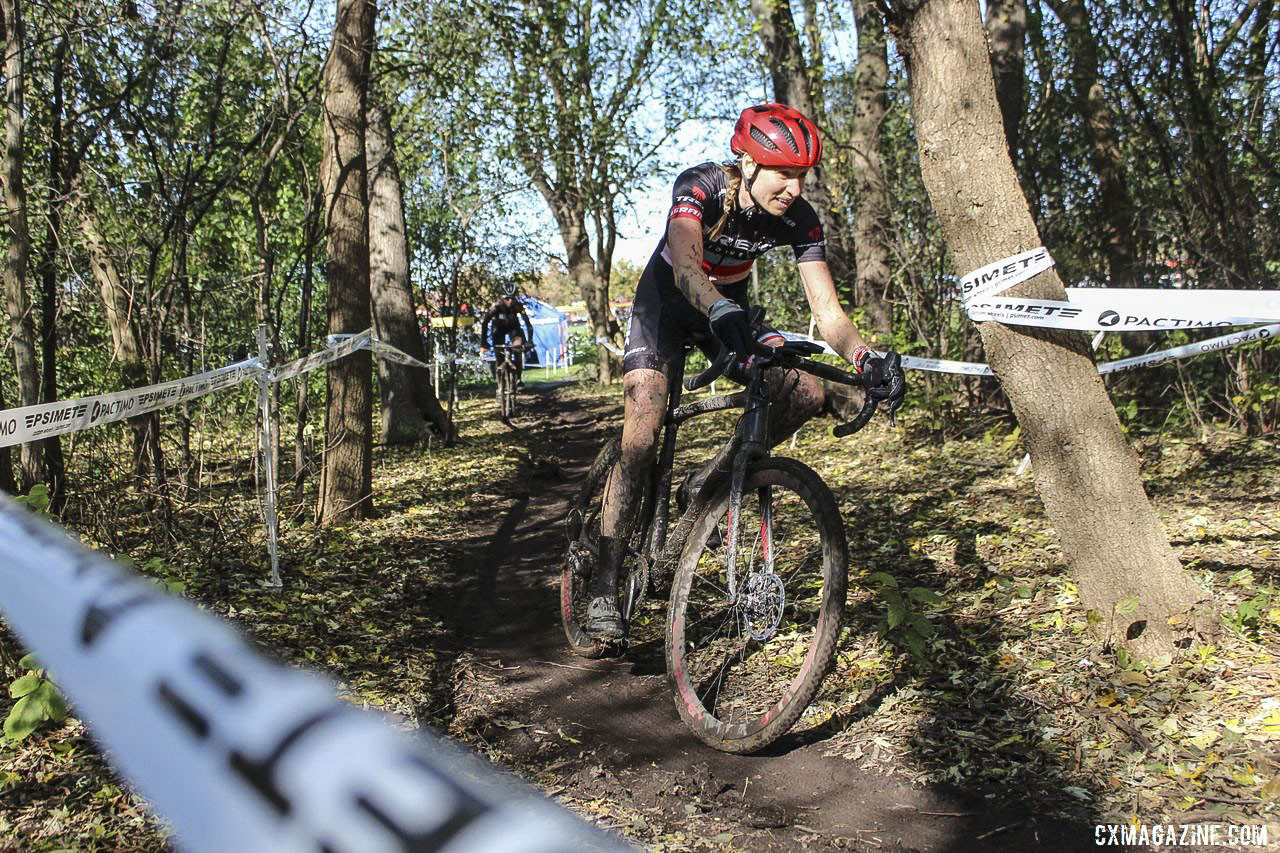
{"x": 167, "y": 192}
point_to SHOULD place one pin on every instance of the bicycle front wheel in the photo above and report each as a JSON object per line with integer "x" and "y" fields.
{"x": 745, "y": 662}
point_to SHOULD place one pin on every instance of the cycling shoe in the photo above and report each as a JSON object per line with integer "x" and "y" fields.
{"x": 604, "y": 622}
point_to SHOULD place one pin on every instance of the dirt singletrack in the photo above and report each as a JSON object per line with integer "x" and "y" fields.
{"x": 604, "y": 737}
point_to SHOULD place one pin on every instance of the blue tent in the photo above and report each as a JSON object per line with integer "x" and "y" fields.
{"x": 550, "y": 332}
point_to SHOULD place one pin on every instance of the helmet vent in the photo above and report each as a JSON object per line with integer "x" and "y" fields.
{"x": 765, "y": 142}
{"x": 808, "y": 139}
{"x": 786, "y": 133}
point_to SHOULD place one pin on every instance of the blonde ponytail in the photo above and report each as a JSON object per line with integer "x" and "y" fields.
{"x": 733, "y": 175}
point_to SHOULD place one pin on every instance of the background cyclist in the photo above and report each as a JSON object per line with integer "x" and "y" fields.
{"x": 501, "y": 324}
{"x": 694, "y": 288}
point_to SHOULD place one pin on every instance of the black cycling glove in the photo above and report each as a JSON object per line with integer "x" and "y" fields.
{"x": 729, "y": 324}
{"x": 884, "y": 379}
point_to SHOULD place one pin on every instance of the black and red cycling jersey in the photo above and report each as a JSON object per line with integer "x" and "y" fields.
{"x": 505, "y": 320}
{"x": 700, "y": 193}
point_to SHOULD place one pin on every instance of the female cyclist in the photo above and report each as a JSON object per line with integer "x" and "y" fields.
{"x": 695, "y": 289}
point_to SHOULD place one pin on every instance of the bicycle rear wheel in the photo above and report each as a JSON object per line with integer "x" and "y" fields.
{"x": 582, "y": 525}
{"x": 745, "y": 665}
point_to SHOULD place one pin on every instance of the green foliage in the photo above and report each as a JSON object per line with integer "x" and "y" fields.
{"x": 36, "y": 499}
{"x": 906, "y": 615}
{"x": 38, "y": 701}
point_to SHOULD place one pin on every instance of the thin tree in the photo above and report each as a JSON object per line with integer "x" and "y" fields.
{"x": 347, "y": 479}
{"x": 872, "y": 206}
{"x": 118, "y": 310}
{"x": 1086, "y": 474}
{"x": 1115, "y": 213}
{"x": 21, "y": 322}
{"x": 1007, "y": 33}
{"x": 7, "y": 483}
{"x": 796, "y": 84}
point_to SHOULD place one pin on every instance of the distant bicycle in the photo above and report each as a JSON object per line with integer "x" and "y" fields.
{"x": 507, "y": 375}
{"x": 757, "y": 565}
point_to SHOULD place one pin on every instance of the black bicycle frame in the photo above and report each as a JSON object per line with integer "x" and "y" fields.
{"x": 748, "y": 441}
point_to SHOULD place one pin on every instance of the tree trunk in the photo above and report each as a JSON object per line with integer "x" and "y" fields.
{"x": 7, "y": 483}
{"x": 408, "y": 401}
{"x": 311, "y": 237}
{"x": 1006, "y": 30}
{"x": 48, "y": 275}
{"x": 793, "y": 85}
{"x": 117, "y": 304}
{"x": 1086, "y": 474}
{"x": 871, "y": 240}
{"x": 595, "y": 292}
{"x": 347, "y": 480}
{"x": 1115, "y": 214}
{"x": 21, "y": 323}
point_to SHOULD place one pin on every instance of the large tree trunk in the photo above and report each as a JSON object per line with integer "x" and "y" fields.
{"x": 1007, "y": 29}
{"x": 1115, "y": 214}
{"x": 871, "y": 240}
{"x": 408, "y": 401}
{"x": 1086, "y": 474}
{"x": 793, "y": 85}
{"x": 347, "y": 480}
{"x": 21, "y": 323}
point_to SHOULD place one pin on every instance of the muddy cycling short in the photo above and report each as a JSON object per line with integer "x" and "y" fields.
{"x": 663, "y": 321}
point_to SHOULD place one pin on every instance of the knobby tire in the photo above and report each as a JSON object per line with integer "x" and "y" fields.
{"x": 739, "y": 692}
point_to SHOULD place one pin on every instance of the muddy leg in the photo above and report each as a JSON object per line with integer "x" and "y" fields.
{"x": 644, "y": 406}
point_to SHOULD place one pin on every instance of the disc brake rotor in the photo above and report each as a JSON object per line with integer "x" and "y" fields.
{"x": 762, "y": 603}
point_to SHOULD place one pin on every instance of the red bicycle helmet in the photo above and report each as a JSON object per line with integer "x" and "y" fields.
{"x": 777, "y": 136}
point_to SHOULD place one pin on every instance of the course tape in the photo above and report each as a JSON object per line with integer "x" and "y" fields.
{"x": 238, "y": 752}
{"x": 1004, "y": 274}
{"x": 44, "y": 420}
{"x": 340, "y": 347}
{"x": 1235, "y": 339}
{"x": 390, "y": 353}
{"x": 1105, "y": 308}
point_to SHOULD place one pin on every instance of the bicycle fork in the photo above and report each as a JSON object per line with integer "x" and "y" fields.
{"x": 755, "y": 430}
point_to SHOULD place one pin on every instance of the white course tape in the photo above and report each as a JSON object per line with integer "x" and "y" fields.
{"x": 1107, "y": 309}
{"x": 30, "y": 423}
{"x": 609, "y": 345}
{"x": 1235, "y": 339}
{"x": 237, "y": 752}
{"x": 340, "y": 347}
{"x": 1131, "y": 310}
{"x": 49, "y": 419}
{"x": 390, "y": 353}
{"x": 937, "y": 365}
{"x": 1004, "y": 274}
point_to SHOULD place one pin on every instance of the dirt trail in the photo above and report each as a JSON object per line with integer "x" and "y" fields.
{"x": 609, "y": 729}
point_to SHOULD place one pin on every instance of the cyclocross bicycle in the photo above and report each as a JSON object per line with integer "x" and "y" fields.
{"x": 504, "y": 370}
{"x": 757, "y": 564}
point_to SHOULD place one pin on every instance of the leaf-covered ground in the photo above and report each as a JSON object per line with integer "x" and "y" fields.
{"x": 967, "y": 658}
